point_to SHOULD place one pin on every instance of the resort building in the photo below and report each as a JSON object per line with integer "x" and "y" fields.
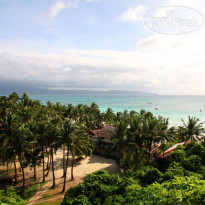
{"x": 104, "y": 135}
{"x": 102, "y": 140}
{"x": 171, "y": 149}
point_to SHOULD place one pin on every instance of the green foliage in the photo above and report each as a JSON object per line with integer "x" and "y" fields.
{"x": 190, "y": 145}
{"x": 182, "y": 183}
{"x": 96, "y": 187}
{"x": 9, "y": 197}
{"x": 30, "y": 191}
{"x": 179, "y": 190}
{"x": 177, "y": 156}
{"x": 180, "y": 147}
{"x": 147, "y": 175}
{"x": 173, "y": 172}
{"x": 192, "y": 163}
{"x": 196, "y": 149}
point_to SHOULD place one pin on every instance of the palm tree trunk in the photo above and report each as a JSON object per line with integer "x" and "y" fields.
{"x": 149, "y": 156}
{"x": 163, "y": 160}
{"x": 54, "y": 184}
{"x": 43, "y": 163}
{"x": 23, "y": 174}
{"x": 65, "y": 172}
{"x": 34, "y": 175}
{"x": 63, "y": 160}
{"x": 7, "y": 165}
{"x": 47, "y": 164}
{"x": 72, "y": 168}
{"x": 15, "y": 169}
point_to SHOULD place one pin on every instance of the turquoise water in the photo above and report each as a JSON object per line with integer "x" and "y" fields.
{"x": 172, "y": 107}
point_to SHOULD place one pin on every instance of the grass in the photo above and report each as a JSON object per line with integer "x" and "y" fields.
{"x": 4, "y": 171}
{"x": 47, "y": 203}
{"x": 46, "y": 196}
{"x": 30, "y": 191}
{"x": 42, "y": 184}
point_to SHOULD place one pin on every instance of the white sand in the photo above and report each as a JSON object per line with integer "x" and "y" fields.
{"x": 81, "y": 169}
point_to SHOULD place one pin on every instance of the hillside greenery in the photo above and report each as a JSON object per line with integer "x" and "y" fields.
{"x": 32, "y": 132}
{"x": 182, "y": 183}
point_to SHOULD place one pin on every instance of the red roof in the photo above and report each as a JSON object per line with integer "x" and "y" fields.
{"x": 171, "y": 149}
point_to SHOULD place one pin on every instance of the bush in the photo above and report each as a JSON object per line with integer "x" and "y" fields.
{"x": 96, "y": 187}
{"x": 190, "y": 145}
{"x": 177, "y": 155}
{"x": 192, "y": 163}
{"x": 179, "y": 191}
{"x": 171, "y": 173}
{"x": 147, "y": 175}
{"x": 10, "y": 197}
{"x": 115, "y": 200}
{"x": 196, "y": 149}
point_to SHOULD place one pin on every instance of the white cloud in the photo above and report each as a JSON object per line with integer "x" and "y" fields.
{"x": 133, "y": 14}
{"x": 58, "y": 6}
{"x": 162, "y": 64}
{"x": 92, "y": 0}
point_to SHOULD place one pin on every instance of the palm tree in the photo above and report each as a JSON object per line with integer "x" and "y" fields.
{"x": 22, "y": 147}
{"x": 120, "y": 140}
{"x": 192, "y": 127}
{"x": 150, "y": 133}
{"x": 80, "y": 144}
{"x": 67, "y": 130}
{"x": 35, "y": 151}
{"x": 166, "y": 134}
{"x": 42, "y": 131}
{"x": 53, "y": 136}
{"x": 109, "y": 115}
{"x": 7, "y": 136}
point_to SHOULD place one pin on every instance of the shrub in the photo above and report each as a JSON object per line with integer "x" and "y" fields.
{"x": 196, "y": 149}
{"x": 10, "y": 197}
{"x": 171, "y": 173}
{"x": 81, "y": 199}
{"x": 114, "y": 200}
{"x": 179, "y": 191}
{"x": 147, "y": 175}
{"x": 177, "y": 155}
{"x": 192, "y": 163}
{"x": 96, "y": 187}
{"x": 190, "y": 145}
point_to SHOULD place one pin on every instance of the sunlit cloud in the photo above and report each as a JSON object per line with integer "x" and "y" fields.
{"x": 134, "y": 14}
{"x": 58, "y": 6}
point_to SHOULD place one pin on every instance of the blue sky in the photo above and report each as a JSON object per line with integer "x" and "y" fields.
{"x": 85, "y": 25}
{"x": 97, "y": 44}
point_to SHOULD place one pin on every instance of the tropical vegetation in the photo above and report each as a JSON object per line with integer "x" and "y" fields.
{"x": 32, "y": 132}
{"x": 182, "y": 183}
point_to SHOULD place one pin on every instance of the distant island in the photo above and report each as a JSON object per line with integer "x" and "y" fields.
{"x": 4, "y": 90}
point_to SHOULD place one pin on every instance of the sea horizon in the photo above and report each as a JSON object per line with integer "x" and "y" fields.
{"x": 174, "y": 107}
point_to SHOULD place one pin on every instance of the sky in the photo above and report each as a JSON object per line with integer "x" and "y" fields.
{"x": 100, "y": 45}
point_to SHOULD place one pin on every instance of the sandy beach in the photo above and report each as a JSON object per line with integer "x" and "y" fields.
{"x": 81, "y": 169}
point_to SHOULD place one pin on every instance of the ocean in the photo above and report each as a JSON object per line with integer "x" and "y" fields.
{"x": 173, "y": 107}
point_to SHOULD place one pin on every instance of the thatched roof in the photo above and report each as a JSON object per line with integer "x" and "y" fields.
{"x": 104, "y": 133}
